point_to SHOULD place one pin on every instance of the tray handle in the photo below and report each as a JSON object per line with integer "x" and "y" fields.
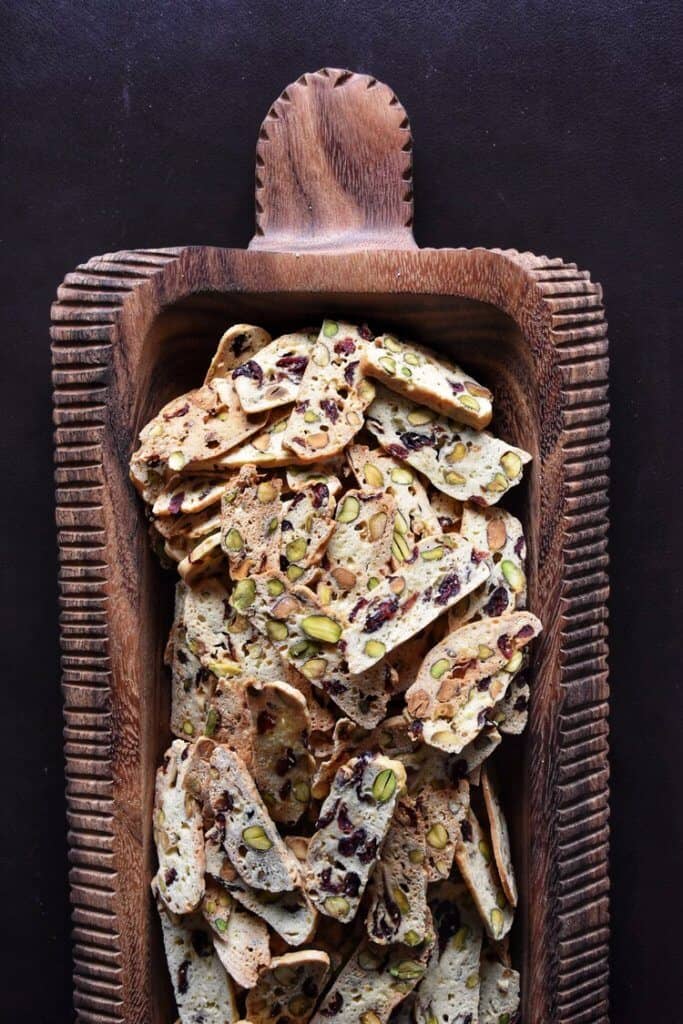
{"x": 334, "y": 167}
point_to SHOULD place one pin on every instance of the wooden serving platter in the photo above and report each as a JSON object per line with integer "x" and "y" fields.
{"x": 131, "y": 329}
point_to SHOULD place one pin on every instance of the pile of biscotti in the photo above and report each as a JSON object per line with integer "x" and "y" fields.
{"x": 350, "y": 645}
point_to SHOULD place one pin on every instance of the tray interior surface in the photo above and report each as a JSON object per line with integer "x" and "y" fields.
{"x": 174, "y": 357}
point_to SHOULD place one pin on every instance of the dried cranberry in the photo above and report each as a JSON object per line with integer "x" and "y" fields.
{"x": 345, "y": 347}
{"x": 478, "y": 556}
{"x": 414, "y": 441}
{"x": 351, "y": 884}
{"x": 456, "y": 386}
{"x": 483, "y": 684}
{"x": 365, "y": 332}
{"x": 466, "y": 830}
{"x": 264, "y": 722}
{"x": 286, "y": 762}
{"x": 201, "y": 943}
{"x": 524, "y": 633}
{"x": 321, "y": 495}
{"x": 407, "y": 605}
{"x": 505, "y": 646}
{"x": 325, "y": 819}
{"x": 350, "y": 372}
{"x": 176, "y": 502}
{"x": 381, "y": 613}
{"x": 334, "y": 1005}
{"x": 333, "y": 687}
{"x": 326, "y": 883}
{"x": 301, "y": 406}
{"x": 182, "y": 977}
{"x": 522, "y": 703}
{"x": 397, "y": 450}
{"x": 358, "y": 606}
{"x": 368, "y": 852}
{"x": 448, "y": 588}
{"x": 170, "y": 876}
{"x": 295, "y": 365}
{"x": 249, "y": 369}
{"x": 343, "y": 820}
{"x": 497, "y": 603}
{"x": 330, "y": 409}
{"x": 520, "y": 547}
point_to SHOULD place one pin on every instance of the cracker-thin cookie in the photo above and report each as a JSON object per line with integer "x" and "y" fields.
{"x": 440, "y": 571}
{"x": 272, "y": 377}
{"x": 416, "y": 372}
{"x": 466, "y": 464}
{"x": 241, "y": 940}
{"x": 499, "y": 991}
{"x": 398, "y": 910}
{"x": 251, "y": 514}
{"x": 475, "y": 862}
{"x": 500, "y": 836}
{"x": 290, "y": 987}
{"x": 178, "y": 834}
{"x": 333, "y": 395}
{"x": 203, "y": 991}
{"x": 238, "y": 344}
{"x": 353, "y": 822}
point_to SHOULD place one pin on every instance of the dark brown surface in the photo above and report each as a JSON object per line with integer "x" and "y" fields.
{"x": 127, "y": 329}
{"x": 565, "y": 142}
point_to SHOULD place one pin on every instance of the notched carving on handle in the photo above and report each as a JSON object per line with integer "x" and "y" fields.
{"x": 334, "y": 167}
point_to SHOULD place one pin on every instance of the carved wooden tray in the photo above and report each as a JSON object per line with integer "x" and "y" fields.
{"x": 131, "y": 329}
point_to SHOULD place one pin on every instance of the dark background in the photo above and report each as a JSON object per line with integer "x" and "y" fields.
{"x": 552, "y": 127}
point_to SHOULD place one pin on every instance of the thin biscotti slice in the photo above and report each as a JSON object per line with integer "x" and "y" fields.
{"x": 333, "y": 395}
{"x": 199, "y": 425}
{"x": 251, "y": 515}
{"x": 241, "y": 940}
{"x": 372, "y": 983}
{"x": 398, "y": 910}
{"x": 178, "y": 834}
{"x": 434, "y": 381}
{"x": 203, "y": 991}
{"x": 329, "y": 472}
{"x": 353, "y": 822}
{"x": 205, "y": 559}
{"x": 375, "y": 469}
{"x": 498, "y": 992}
{"x": 465, "y": 675}
{"x": 290, "y": 914}
{"x": 290, "y": 988}
{"x": 496, "y": 531}
{"x": 273, "y": 377}
{"x": 308, "y": 638}
{"x": 466, "y": 464}
{"x": 443, "y": 810}
{"x": 192, "y": 684}
{"x": 244, "y": 826}
{"x": 282, "y": 765}
{"x": 307, "y": 526}
{"x": 450, "y": 988}
{"x": 189, "y": 495}
{"x": 476, "y": 865}
{"x": 500, "y": 837}
{"x": 238, "y": 344}
{"x": 207, "y": 620}
{"x": 441, "y": 571}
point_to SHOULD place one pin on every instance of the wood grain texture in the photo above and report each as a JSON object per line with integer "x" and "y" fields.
{"x": 132, "y": 329}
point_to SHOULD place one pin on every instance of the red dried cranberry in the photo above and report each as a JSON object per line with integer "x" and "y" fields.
{"x": 176, "y": 502}
{"x": 249, "y": 369}
{"x": 286, "y": 762}
{"x": 365, "y": 332}
{"x": 334, "y": 1005}
{"x": 350, "y": 372}
{"x": 321, "y": 495}
{"x": 368, "y": 852}
{"x": 326, "y": 883}
{"x": 345, "y": 347}
{"x": 358, "y": 606}
{"x": 456, "y": 387}
{"x": 343, "y": 820}
{"x": 520, "y": 547}
{"x": 170, "y": 876}
{"x": 524, "y": 633}
{"x": 407, "y": 605}
{"x": 448, "y": 588}
{"x": 414, "y": 441}
{"x": 505, "y": 646}
{"x": 329, "y": 815}
{"x": 381, "y": 613}
{"x": 397, "y": 450}
{"x": 295, "y": 365}
{"x": 483, "y": 684}
{"x": 330, "y": 409}
{"x": 182, "y": 411}
{"x": 182, "y": 977}
{"x": 225, "y": 802}
{"x": 351, "y": 884}
{"x": 497, "y": 603}
{"x": 478, "y": 556}
{"x": 264, "y": 722}
{"x": 466, "y": 830}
